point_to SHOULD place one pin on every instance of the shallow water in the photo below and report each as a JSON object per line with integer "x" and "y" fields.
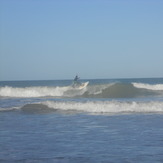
{"x": 68, "y": 137}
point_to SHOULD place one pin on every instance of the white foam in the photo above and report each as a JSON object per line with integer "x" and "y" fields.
{"x": 9, "y": 109}
{"x": 38, "y": 91}
{"x": 107, "y": 106}
{"x": 149, "y": 86}
{"x": 68, "y": 91}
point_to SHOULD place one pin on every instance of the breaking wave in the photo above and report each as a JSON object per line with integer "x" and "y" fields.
{"x": 149, "y": 86}
{"x": 99, "y": 107}
{"x": 107, "y": 106}
{"x": 113, "y": 90}
{"x": 32, "y": 91}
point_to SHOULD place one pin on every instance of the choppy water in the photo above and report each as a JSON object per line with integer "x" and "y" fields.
{"x": 111, "y": 120}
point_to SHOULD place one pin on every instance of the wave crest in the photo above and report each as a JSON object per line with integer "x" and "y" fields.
{"x": 32, "y": 91}
{"x": 149, "y": 86}
{"x": 113, "y": 90}
{"x": 96, "y": 107}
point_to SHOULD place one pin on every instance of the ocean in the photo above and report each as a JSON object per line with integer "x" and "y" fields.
{"x": 110, "y": 120}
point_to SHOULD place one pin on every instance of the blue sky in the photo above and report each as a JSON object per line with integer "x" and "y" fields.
{"x": 57, "y": 39}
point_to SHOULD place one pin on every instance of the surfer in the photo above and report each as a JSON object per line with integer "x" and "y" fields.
{"x": 79, "y": 85}
{"x": 76, "y": 78}
{"x": 76, "y": 82}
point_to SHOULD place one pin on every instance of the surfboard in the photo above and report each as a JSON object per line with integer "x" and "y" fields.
{"x": 81, "y": 85}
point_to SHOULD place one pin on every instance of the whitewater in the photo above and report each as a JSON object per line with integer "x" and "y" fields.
{"x": 100, "y": 90}
{"x": 110, "y": 120}
{"x": 104, "y": 97}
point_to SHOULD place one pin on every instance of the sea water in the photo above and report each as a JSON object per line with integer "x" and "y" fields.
{"x": 110, "y": 120}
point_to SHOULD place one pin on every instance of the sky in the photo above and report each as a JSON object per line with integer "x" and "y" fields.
{"x": 57, "y": 39}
